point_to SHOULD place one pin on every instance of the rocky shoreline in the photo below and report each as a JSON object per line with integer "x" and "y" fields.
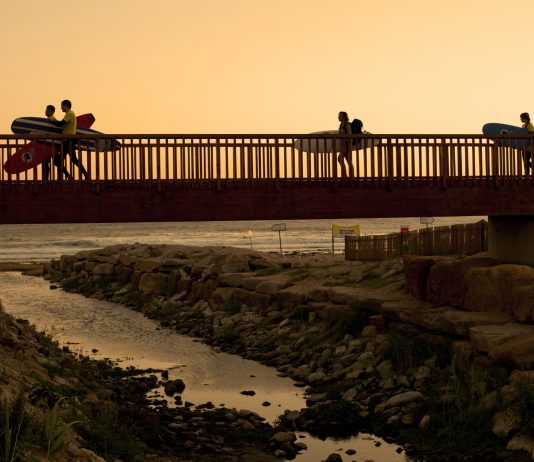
{"x": 373, "y": 357}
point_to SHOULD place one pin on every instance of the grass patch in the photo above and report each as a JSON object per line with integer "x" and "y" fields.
{"x": 301, "y": 313}
{"x": 406, "y": 353}
{"x": 230, "y": 307}
{"x": 110, "y": 434}
{"x": 458, "y": 424}
{"x": 352, "y": 323}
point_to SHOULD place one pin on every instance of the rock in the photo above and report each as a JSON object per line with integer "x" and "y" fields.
{"x": 492, "y": 289}
{"x": 422, "y": 373}
{"x": 416, "y": 273}
{"x": 522, "y": 303}
{"x": 270, "y": 287}
{"x": 334, "y": 458}
{"x": 104, "y": 269}
{"x": 292, "y": 415}
{"x": 284, "y": 323}
{"x": 504, "y": 423}
{"x": 282, "y": 437}
{"x": 521, "y": 442}
{"x": 407, "y": 419}
{"x": 256, "y": 263}
{"x": 369, "y": 331}
{"x": 316, "y": 377}
{"x": 424, "y": 422}
{"x": 233, "y": 279}
{"x": 350, "y": 394}
{"x": 404, "y": 398}
{"x": 244, "y": 424}
{"x": 174, "y": 386}
{"x": 147, "y": 266}
{"x": 385, "y": 369}
{"x": 154, "y": 283}
{"x": 446, "y": 281}
{"x": 248, "y": 392}
{"x": 230, "y": 295}
{"x": 342, "y": 295}
{"x": 486, "y": 338}
{"x": 518, "y": 350}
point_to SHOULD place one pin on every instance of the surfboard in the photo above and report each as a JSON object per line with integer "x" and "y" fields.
{"x": 504, "y": 129}
{"x": 35, "y": 153}
{"x": 41, "y": 125}
{"x": 314, "y": 146}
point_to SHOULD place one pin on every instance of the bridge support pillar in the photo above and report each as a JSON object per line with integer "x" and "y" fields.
{"x": 511, "y": 239}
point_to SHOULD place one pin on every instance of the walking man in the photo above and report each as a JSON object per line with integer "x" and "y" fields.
{"x": 68, "y": 127}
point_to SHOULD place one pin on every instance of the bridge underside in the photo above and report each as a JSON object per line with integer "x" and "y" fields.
{"x": 116, "y": 202}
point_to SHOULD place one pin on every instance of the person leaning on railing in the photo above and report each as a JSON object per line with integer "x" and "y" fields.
{"x": 527, "y": 124}
{"x": 68, "y": 127}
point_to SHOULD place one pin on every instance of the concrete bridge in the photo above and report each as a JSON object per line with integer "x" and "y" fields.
{"x": 154, "y": 177}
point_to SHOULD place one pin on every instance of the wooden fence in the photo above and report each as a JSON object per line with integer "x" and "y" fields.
{"x": 464, "y": 239}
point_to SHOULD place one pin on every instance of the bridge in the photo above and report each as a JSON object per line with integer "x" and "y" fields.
{"x": 163, "y": 177}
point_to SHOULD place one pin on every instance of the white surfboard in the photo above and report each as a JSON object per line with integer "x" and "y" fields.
{"x": 314, "y": 146}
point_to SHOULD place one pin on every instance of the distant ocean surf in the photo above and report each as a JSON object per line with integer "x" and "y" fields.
{"x": 44, "y": 242}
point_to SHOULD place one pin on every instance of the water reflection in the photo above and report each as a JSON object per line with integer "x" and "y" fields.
{"x": 121, "y": 334}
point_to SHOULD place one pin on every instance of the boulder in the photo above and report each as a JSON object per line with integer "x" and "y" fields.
{"x": 489, "y": 337}
{"x": 403, "y": 398}
{"x": 343, "y": 295}
{"x": 234, "y": 279}
{"x": 522, "y": 303}
{"x": 237, "y": 295}
{"x": 492, "y": 288}
{"x": 282, "y": 437}
{"x": 104, "y": 269}
{"x": 147, "y": 266}
{"x": 270, "y": 287}
{"x": 416, "y": 272}
{"x": 519, "y": 350}
{"x": 446, "y": 281}
{"x": 503, "y": 423}
{"x": 154, "y": 283}
{"x": 522, "y": 442}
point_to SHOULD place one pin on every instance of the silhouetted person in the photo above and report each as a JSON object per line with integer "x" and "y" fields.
{"x": 68, "y": 127}
{"x": 527, "y": 124}
{"x": 345, "y": 152}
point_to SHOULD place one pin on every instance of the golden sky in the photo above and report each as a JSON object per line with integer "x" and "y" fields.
{"x": 269, "y": 66}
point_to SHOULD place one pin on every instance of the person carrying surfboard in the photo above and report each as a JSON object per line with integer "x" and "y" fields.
{"x": 68, "y": 127}
{"x": 49, "y": 113}
{"x": 345, "y": 152}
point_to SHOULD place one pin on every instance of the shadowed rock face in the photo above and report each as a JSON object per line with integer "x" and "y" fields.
{"x": 473, "y": 284}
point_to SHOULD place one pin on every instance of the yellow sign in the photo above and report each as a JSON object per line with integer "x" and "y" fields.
{"x": 342, "y": 231}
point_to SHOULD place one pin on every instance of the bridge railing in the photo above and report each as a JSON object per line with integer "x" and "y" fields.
{"x": 218, "y": 161}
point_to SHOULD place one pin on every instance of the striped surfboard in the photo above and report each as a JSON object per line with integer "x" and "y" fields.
{"x": 42, "y": 126}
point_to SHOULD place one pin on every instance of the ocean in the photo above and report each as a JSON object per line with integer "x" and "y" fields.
{"x": 45, "y": 242}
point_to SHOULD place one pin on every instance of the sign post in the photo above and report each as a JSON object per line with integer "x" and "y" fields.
{"x": 249, "y": 235}
{"x": 426, "y": 221}
{"x": 342, "y": 231}
{"x": 279, "y": 227}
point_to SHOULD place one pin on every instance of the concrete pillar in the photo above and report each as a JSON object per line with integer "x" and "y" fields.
{"x": 511, "y": 239}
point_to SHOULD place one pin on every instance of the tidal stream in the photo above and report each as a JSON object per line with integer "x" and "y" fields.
{"x": 106, "y": 330}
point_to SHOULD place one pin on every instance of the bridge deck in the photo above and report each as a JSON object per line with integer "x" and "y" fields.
{"x": 230, "y": 177}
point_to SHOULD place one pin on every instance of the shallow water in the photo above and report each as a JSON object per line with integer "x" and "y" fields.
{"x": 124, "y": 335}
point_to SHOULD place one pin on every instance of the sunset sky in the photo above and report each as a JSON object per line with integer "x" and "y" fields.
{"x": 269, "y": 66}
